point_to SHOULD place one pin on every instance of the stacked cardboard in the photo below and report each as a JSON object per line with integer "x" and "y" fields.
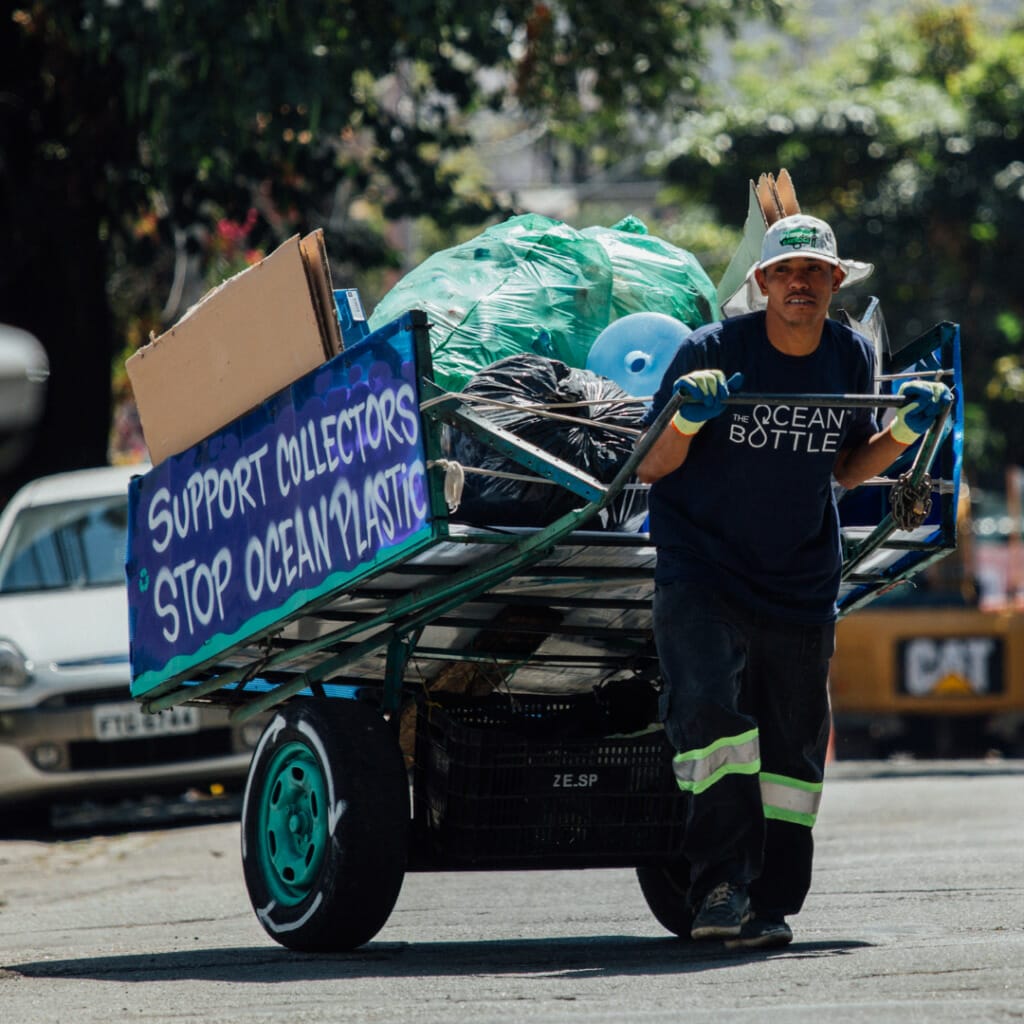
{"x": 243, "y": 341}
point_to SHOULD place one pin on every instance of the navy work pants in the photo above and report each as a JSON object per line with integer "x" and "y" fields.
{"x": 745, "y": 705}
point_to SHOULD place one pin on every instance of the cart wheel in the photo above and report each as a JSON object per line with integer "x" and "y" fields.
{"x": 664, "y": 887}
{"x": 325, "y": 821}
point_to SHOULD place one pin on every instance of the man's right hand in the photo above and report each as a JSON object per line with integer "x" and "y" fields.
{"x": 710, "y": 389}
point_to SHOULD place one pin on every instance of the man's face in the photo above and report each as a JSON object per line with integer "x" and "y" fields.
{"x": 799, "y": 289}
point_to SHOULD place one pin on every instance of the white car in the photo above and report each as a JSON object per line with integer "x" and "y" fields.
{"x": 68, "y": 726}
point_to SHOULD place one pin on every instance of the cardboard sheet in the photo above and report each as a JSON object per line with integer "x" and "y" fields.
{"x": 241, "y": 343}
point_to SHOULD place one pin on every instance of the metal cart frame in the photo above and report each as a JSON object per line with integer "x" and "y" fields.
{"x": 328, "y": 830}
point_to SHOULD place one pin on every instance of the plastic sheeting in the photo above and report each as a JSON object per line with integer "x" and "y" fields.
{"x": 650, "y": 275}
{"x": 534, "y": 285}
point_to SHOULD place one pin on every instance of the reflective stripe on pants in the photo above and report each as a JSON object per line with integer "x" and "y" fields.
{"x": 698, "y": 770}
{"x": 788, "y": 799}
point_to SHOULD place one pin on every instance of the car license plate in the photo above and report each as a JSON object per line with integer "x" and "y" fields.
{"x": 128, "y": 722}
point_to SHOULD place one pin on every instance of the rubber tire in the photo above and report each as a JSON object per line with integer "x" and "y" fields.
{"x": 664, "y": 887}
{"x": 322, "y": 880}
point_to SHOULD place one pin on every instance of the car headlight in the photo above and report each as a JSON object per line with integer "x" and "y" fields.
{"x": 15, "y": 670}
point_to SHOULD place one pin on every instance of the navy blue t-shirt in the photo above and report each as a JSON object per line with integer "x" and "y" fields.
{"x": 751, "y": 510}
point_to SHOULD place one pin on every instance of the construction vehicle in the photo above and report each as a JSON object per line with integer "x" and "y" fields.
{"x": 935, "y": 668}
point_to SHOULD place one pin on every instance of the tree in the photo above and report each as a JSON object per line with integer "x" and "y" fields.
{"x": 908, "y": 140}
{"x": 138, "y": 137}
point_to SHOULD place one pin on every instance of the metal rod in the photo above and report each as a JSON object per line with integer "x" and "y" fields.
{"x": 862, "y": 599}
{"x": 267, "y": 700}
{"x": 826, "y": 401}
{"x": 929, "y": 447}
{"x": 885, "y": 529}
{"x": 542, "y": 407}
{"x": 939, "y": 486}
{"x": 935, "y": 374}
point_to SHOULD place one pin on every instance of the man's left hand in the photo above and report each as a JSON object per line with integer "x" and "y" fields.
{"x": 913, "y": 418}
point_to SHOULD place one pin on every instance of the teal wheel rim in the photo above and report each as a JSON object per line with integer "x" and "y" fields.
{"x": 293, "y": 828}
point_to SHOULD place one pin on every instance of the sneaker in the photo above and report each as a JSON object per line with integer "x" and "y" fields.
{"x": 722, "y": 913}
{"x": 762, "y": 933}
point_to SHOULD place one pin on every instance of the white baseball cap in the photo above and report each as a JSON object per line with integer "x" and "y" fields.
{"x": 799, "y": 235}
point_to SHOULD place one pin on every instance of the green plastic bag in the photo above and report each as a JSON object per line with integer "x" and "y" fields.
{"x": 536, "y": 285}
{"x": 530, "y": 284}
{"x": 650, "y": 275}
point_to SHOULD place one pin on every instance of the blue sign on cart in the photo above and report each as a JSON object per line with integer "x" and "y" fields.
{"x": 320, "y": 486}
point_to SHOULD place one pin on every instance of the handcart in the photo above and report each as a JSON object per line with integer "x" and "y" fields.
{"x": 439, "y": 695}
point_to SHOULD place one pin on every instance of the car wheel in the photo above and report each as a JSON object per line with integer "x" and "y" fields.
{"x": 664, "y": 887}
{"x": 325, "y": 820}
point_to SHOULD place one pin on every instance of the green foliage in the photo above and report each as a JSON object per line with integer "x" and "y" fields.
{"x": 301, "y": 110}
{"x": 341, "y": 113}
{"x": 188, "y": 138}
{"x": 908, "y": 139}
{"x": 983, "y": 444}
{"x": 599, "y": 69}
{"x": 1011, "y": 327}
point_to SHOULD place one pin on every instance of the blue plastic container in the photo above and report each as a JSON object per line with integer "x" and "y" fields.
{"x": 635, "y": 350}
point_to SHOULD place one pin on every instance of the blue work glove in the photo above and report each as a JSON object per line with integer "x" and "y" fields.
{"x": 710, "y": 389}
{"x": 914, "y": 418}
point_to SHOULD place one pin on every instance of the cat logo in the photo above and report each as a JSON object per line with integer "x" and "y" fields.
{"x": 956, "y": 666}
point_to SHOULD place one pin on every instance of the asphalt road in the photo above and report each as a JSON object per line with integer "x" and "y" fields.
{"x": 916, "y": 915}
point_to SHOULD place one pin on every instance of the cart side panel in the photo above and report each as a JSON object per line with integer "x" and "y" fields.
{"x": 322, "y": 485}
{"x": 910, "y": 551}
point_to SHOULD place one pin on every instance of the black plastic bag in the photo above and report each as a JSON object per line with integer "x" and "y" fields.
{"x": 524, "y": 381}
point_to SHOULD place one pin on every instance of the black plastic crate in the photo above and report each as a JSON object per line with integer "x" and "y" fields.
{"x": 522, "y": 781}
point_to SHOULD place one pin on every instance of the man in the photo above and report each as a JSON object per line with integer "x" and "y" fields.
{"x": 745, "y": 523}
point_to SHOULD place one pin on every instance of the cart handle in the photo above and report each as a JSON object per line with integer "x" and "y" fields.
{"x": 832, "y": 401}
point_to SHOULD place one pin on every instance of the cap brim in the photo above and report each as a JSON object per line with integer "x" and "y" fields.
{"x": 748, "y": 298}
{"x": 807, "y": 255}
